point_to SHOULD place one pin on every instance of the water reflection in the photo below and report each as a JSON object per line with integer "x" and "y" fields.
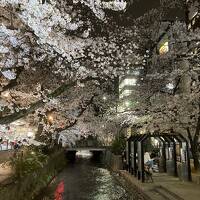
{"x": 88, "y": 180}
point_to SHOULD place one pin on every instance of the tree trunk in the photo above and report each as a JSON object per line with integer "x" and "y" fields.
{"x": 194, "y": 150}
{"x": 195, "y": 155}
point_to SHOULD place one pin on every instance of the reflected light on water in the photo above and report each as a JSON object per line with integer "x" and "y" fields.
{"x": 84, "y": 154}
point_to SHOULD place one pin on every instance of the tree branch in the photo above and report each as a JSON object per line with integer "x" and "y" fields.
{"x": 83, "y": 109}
{"x": 34, "y": 106}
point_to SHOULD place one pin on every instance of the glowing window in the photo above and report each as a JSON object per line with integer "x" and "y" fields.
{"x": 164, "y": 48}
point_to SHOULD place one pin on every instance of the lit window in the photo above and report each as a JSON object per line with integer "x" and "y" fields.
{"x": 164, "y": 48}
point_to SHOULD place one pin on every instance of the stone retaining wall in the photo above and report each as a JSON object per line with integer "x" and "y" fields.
{"x": 140, "y": 193}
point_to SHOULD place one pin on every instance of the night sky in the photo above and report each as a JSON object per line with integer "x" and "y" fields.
{"x": 139, "y": 7}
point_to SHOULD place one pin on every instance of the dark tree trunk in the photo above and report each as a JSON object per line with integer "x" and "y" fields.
{"x": 194, "y": 150}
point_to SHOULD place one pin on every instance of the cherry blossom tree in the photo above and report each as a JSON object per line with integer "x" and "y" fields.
{"x": 172, "y": 80}
{"x": 56, "y": 57}
{"x": 169, "y": 95}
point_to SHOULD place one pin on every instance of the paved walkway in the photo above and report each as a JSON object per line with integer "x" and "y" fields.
{"x": 5, "y": 155}
{"x": 165, "y": 187}
{"x": 5, "y": 171}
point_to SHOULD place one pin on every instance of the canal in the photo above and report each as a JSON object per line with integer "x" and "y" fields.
{"x": 87, "y": 179}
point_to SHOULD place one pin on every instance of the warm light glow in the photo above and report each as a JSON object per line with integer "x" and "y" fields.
{"x": 50, "y": 118}
{"x": 164, "y": 48}
{"x": 5, "y": 94}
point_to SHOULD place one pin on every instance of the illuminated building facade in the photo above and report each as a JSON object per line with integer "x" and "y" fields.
{"x": 128, "y": 85}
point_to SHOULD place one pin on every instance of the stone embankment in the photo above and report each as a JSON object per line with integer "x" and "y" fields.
{"x": 163, "y": 187}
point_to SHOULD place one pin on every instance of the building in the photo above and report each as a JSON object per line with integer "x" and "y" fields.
{"x": 127, "y": 87}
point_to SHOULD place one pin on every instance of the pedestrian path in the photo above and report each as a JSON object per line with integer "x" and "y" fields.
{"x": 5, "y": 155}
{"x": 5, "y": 171}
{"x": 165, "y": 187}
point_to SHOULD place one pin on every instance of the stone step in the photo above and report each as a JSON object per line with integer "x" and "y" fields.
{"x": 162, "y": 193}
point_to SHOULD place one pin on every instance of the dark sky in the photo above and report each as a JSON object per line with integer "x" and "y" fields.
{"x": 139, "y": 7}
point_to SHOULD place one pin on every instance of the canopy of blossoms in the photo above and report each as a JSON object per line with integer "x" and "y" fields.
{"x": 53, "y": 48}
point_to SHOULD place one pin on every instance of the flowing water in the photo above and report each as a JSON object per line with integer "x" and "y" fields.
{"x": 86, "y": 179}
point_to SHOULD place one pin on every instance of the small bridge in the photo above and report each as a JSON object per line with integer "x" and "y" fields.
{"x": 90, "y": 144}
{"x": 97, "y": 152}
